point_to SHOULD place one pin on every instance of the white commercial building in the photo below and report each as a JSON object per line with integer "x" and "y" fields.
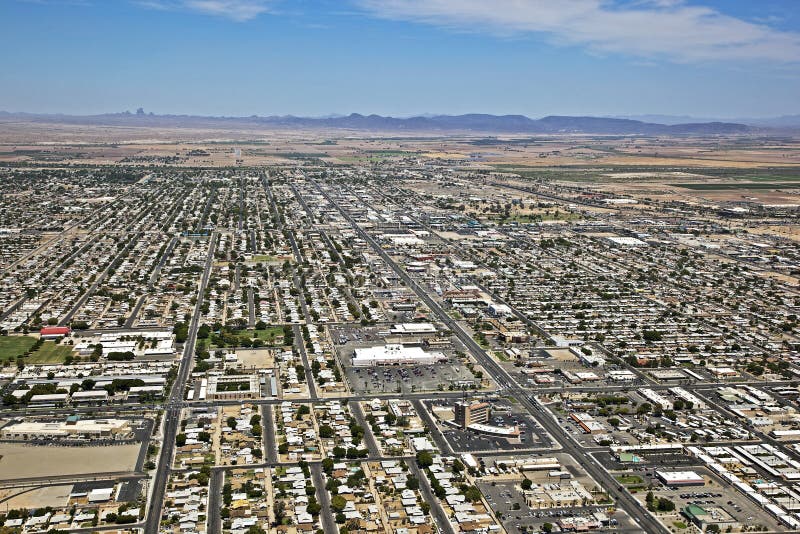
{"x": 680, "y": 478}
{"x": 413, "y": 329}
{"x": 71, "y": 428}
{"x": 395, "y": 355}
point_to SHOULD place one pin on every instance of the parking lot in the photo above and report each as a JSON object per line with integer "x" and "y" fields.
{"x": 509, "y": 505}
{"x": 408, "y": 379}
{"x": 713, "y": 495}
{"x": 503, "y": 415}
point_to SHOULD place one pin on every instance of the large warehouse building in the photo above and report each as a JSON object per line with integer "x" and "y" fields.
{"x": 395, "y": 355}
{"x": 73, "y": 427}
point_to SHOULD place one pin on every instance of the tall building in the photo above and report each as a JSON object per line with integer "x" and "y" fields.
{"x": 470, "y": 413}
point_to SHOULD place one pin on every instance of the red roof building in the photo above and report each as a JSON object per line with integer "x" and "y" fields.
{"x": 54, "y": 331}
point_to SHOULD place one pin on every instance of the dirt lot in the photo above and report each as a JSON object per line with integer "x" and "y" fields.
{"x": 258, "y": 358}
{"x": 55, "y": 496}
{"x": 23, "y": 461}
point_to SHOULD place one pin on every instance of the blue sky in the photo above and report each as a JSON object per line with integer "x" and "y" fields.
{"x": 706, "y": 58}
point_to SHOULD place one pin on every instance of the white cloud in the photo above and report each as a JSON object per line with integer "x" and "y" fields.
{"x": 238, "y": 10}
{"x": 667, "y": 29}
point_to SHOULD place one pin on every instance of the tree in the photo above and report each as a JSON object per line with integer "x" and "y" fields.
{"x": 652, "y": 335}
{"x": 231, "y": 421}
{"x": 313, "y": 507}
{"x": 327, "y": 466}
{"x": 325, "y": 431}
{"x": 458, "y": 466}
{"x": 338, "y": 503}
{"x": 280, "y": 511}
{"x": 424, "y": 459}
{"x": 526, "y": 484}
{"x": 412, "y": 483}
{"x": 180, "y": 440}
{"x": 203, "y": 332}
{"x": 547, "y": 527}
{"x": 665, "y": 505}
{"x": 472, "y": 494}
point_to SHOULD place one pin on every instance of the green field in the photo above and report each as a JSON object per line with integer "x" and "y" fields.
{"x": 13, "y": 346}
{"x": 269, "y": 334}
{"x": 501, "y": 355}
{"x": 50, "y": 352}
{"x": 629, "y": 479}
{"x": 263, "y": 258}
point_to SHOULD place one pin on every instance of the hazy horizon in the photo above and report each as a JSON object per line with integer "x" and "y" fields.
{"x": 701, "y": 58}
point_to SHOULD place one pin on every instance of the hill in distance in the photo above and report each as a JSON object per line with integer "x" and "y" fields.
{"x": 473, "y": 122}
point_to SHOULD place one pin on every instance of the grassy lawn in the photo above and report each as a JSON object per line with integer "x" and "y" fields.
{"x": 629, "y": 479}
{"x": 269, "y": 334}
{"x": 679, "y": 524}
{"x": 50, "y": 352}
{"x": 263, "y": 258}
{"x": 13, "y": 346}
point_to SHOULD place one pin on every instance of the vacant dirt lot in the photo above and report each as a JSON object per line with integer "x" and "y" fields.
{"x": 55, "y": 496}
{"x": 24, "y": 461}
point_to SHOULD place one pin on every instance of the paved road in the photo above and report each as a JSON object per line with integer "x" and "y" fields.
{"x": 369, "y": 437}
{"x": 172, "y": 413}
{"x": 215, "y": 501}
{"x": 121, "y": 408}
{"x": 162, "y": 262}
{"x": 57, "y": 480}
{"x": 295, "y": 249}
{"x": 134, "y": 312}
{"x": 268, "y": 426}
{"x": 325, "y": 515}
{"x": 251, "y": 308}
{"x": 299, "y": 344}
{"x": 436, "y": 507}
{"x": 505, "y": 381}
{"x": 436, "y": 434}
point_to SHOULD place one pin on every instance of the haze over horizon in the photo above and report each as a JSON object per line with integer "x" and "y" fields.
{"x": 698, "y": 58}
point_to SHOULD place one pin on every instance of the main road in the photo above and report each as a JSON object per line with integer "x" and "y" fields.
{"x": 172, "y": 413}
{"x": 507, "y": 383}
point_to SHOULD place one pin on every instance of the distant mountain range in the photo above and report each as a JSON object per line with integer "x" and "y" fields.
{"x": 785, "y": 121}
{"x": 474, "y": 123}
